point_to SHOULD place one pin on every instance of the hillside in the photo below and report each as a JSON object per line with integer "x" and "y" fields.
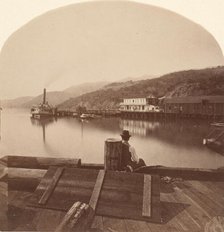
{"x": 15, "y": 103}
{"x": 208, "y": 81}
{"x": 77, "y": 90}
{"x": 53, "y": 98}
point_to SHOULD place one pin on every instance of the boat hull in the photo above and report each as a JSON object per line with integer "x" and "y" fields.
{"x": 42, "y": 115}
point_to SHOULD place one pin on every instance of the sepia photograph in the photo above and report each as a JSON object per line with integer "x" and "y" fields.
{"x": 112, "y": 115}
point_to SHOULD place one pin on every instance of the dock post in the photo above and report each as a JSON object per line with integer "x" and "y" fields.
{"x": 112, "y": 154}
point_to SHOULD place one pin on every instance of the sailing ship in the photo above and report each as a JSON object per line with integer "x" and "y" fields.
{"x": 43, "y": 110}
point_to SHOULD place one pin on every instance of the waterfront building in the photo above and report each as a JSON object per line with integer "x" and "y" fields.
{"x": 143, "y": 104}
{"x": 195, "y": 105}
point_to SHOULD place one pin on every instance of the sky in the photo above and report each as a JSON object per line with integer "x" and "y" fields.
{"x": 207, "y": 13}
{"x": 16, "y": 13}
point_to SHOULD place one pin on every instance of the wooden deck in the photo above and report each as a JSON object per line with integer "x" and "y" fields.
{"x": 185, "y": 205}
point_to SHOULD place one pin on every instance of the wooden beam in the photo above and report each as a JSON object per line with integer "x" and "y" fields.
{"x": 92, "y": 166}
{"x": 32, "y": 162}
{"x": 68, "y": 216}
{"x": 50, "y": 188}
{"x": 146, "y": 207}
{"x": 97, "y": 189}
{"x": 185, "y": 173}
{"x": 21, "y": 179}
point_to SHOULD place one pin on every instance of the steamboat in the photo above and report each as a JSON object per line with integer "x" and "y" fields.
{"x": 43, "y": 110}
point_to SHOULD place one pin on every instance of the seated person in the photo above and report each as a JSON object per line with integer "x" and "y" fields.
{"x": 129, "y": 160}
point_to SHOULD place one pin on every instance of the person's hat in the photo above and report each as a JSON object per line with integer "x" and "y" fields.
{"x": 125, "y": 133}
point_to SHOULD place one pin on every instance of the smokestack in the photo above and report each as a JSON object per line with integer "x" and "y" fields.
{"x": 44, "y": 97}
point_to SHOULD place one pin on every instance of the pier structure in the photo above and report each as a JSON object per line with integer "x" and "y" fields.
{"x": 102, "y": 112}
{"x": 59, "y": 194}
{"x": 201, "y": 107}
{"x": 164, "y": 115}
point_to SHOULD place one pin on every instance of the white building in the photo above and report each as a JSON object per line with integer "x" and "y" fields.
{"x": 148, "y": 104}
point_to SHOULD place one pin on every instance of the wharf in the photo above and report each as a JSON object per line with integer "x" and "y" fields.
{"x": 185, "y": 206}
{"x": 104, "y": 113}
{"x": 163, "y": 115}
{"x": 189, "y": 203}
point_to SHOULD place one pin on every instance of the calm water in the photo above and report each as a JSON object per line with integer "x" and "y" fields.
{"x": 166, "y": 143}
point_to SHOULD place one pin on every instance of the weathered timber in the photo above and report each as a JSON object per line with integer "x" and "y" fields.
{"x": 50, "y": 188}
{"x": 21, "y": 179}
{"x": 181, "y": 211}
{"x": 39, "y": 162}
{"x": 81, "y": 215}
{"x": 121, "y": 194}
{"x": 185, "y": 173}
{"x": 97, "y": 189}
{"x": 112, "y": 154}
{"x": 28, "y": 179}
{"x": 146, "y": 207}
{"x": 92, "y": 166}
{"x": 68, "y": 216}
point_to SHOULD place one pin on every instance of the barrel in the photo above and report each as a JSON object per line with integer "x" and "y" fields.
{"x": 112, "y": 154}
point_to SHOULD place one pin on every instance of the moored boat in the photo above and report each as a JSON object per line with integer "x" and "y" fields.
{"x": 86, "y": 116}
{"x": 215, "y": 139}
{"x": 43, "y": 110}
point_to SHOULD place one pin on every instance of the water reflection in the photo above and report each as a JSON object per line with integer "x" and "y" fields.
{"x": 43, "y": 123}
{"x": 169, "y": 143}
{"x": 181, "y": 133}
{"x": 137, "y": 127}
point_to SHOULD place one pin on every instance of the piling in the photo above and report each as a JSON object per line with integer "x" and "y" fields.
{"x": 112, "y": 154}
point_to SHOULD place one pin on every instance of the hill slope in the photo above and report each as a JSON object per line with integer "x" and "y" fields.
{"x": 85, "y": 88}
{"x": 53, "y": 98}
{"x": 185, "y": 83}
{"x": 15, "y": 103}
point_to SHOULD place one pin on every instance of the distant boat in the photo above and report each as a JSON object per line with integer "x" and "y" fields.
{"x": 43, "y": 110}
{"x": 75, "y": 115}
{"x": 215, "y": 139}
{"x": 86, "y": 116}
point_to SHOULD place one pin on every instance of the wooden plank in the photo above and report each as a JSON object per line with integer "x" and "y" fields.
{"x": 50, "y": 188}
{"x": 209, "y": 191}
{"x": 175, "y": 210}
{"x": 134, "y": 226}
{"x": 79, "y": 218}
{"x": 24, "y": 179}
{"x": 121, "y": 195}
{"x": 97, "y": 223}
{"x": 92, "y": 166}
{"x": 114, "y": 225}
{"x": 68, "y": 216}
{"x": 185, "y": 173}
{"x": 97, "y": 188}
{"x": 183, "y": 218}
{"x": 193, "y": 211}
{"x": 32, "y": 162}
{"x": 155, "y": 199}
{"x": 47, "y": 220}
{"x": 208, "y": 204}
{"x": 76, "y": 218}
{"x": 146, "y": 207}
